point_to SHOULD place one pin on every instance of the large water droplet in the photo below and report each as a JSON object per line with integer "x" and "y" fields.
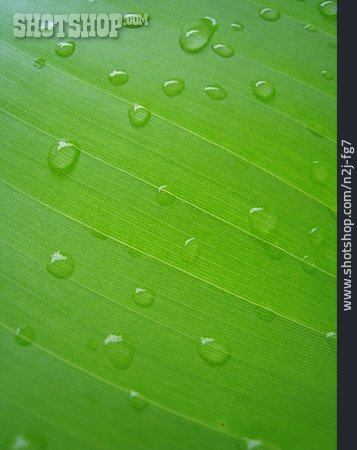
{"x": 213, "y": 351}
{"x": 237, "y": 26}
{"x": 328, "y": 74}
{"x": 25, "y": 441}
{"x": 196, "y": 36}
{"x": 261, "y": 222}
{"x": 319, "y": 172}
{"x": 60, "y": 264}
{"x": 164, "y": 197}
{"x": 263, "y": 90}
{"x": 63, "y": 156}
{"x": 191, "y": 249}
{"x": 40, "y": 63}
{"x": 328, "y": 9}
{"x": 316, "y": 237}
{"x": 139, "y": 115}
{"x": 269, "y": 14}
{"x": 310, "y": 27}
{"x": 223, "y": 50}
{"x": 331, "y": 337}
{"x": 118, "y": 77}
{"x": 267, "y": 315}
{"x": 173, "y": 87}
{"x": 137, "y": 401}
{"x": 216, "y": 92}
{"x": 25, "y": 335}
{"x": 65, "y": 48}
{"x": 308, "y": 264}
{"x": 144, "y": 297}
{"x": 120, "y": 350}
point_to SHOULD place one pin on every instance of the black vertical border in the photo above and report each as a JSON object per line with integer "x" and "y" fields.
{"x": 347, "y": 126}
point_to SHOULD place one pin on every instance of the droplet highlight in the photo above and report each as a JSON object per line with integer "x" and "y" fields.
{"x": 269, "y": 14}
{"x": 308, "y": 264}
{"x": 237, "y": 26}
{"x": 137, "y": 401}
{"x": 25, "y": 335}
{"x": 164, "y": 197}
{"x": 213, "y": 351}
{"x": 263, "y": 90}
{"x": 40, "y": 63}
{"x": 262, "y": 222}
{"x": 196, "y": 36}
{"x": 25, "y": 441}
{"x": 310, "y": 28}
{"x": 245, "y": 443}
{"x": 215, "y": 92}
{"x": 65, "y": 48}
{"x": 118, "y": 77}
{"x": 144, "y": 297}
{"x": 319, "y": 172}
{"x": 173, "y": 87}
{"x": 316, "y": 237}
{"x": 139, "y": 115}
{"x": 331, "y": 337}
{"x": 63, "y": 156}
{"x": 224, "y": 50}
{"x": 191, "y": 249}
{"x": 328, "y": 74}
{"x": 60, "y": 264}
{"x": 119, "y": 350}
{"x": 328, "y": 9}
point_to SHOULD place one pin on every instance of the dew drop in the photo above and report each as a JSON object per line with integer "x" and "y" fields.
{"x": 196, "y": 36}
{"x": 263, "y": 90}
{"x": 120, "y": 350}
{"x": 26, "y": 441}
{"x": 328, "y": 9}
{"x": 310, "y": 27}
{"x": 237, "y": 26}
{"x": 308, "y": 264}
{"x": 137, "y": 401}
{"x": 63, "y": 156}
{"x": 261, "y": 222}
{"x": 223, "y": 50}
{"x": 316, "y": 238}
{"x": 328, "y": 74}
{"x": 25, "y": 335}
{"x": 60, "y": 264}
{"x": 191, "y": 249}
{"x": 118, "y": 77}
{"x": 65, "y": 48}
{"x": 213, "y": 351}
{"x": 215, "y": 92}
{"x": 331, "y": 337}
{"x": 267, "y": 315}
{"x": 244, "y": 443}
{"x": 164, "y": 198}
{"x": 269, "y": 14}
{"x": 144, "y": 297}
{"x": 319, "y": 172}
{"x": 40, "y": 63}
{"x": 173, "y": 87}
{"x": 139, "y": 115}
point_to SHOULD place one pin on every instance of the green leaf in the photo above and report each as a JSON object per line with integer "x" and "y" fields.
{"x": 168, "y": 276}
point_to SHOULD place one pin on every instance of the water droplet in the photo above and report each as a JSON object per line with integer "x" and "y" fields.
{"x": 328, "y": 74}
{"x": 191, "y": 249}
{"x": 237, "y": 26}
{"x": 139, "y": 115}
{"x": 328, "y": 9}
{"x": 316, "y": 238}
{"x": 269, "y": 14}
{"x": 223, "y": 50}
{"x": 120, "y": 350}
{"x": 65, "y": 48}
{"x": 310, "y": 27}
{"x": 261, "y": 221}
{"x": 144, "y": 297}
{"x": 133, "y": 20}
{"x": 244, "y": 443}
{"x": 40, "y": 63}
{"x": 215, "y": 92}
{"x": 319, "y": 172}
{"x": 263, "y": 90}
{"x": 60, "y": 264}
{"x": 118, "y": 77}
{"x": 196, "y": 36}
{"x": 331, "y": 337}
{"x": 63, "y": 156}
{"x": 173, "y": 87}
{"x": 213, "y": 351}
{"x": 272, "y": 251}
{"x": 164, "y": 198}
{"x": 26, "y": 441}
{"x": 25, "y": 335}
{"x": 267, "y": 315}
{"x": 308, "y": 264}
{"x": 137, "y": 401}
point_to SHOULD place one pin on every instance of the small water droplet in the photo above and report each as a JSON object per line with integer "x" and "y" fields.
{"x": 196, "y": 36}
{"x": 25, "y": 335}
{"x": 60, "y": 264}
{"x": 173, "y": 87}
{"x": 144, "y": 297}
{"x": 139, "y": 115}
{"x": 263, "y": 90}
{"x": 319, "y": 172}
{"x": 328, "y": 74}
{"x": 40, "y": 63}
{"x": 237, "y": 26}
{"x": 269, "y": 14}
{"x": 191, "y": 249}
{"x": 118, "y": 77}
{"x": 267, "y": 315}
{"x": 328, "y": 9}
{"x": 244, "y": 443}
{"x": 65, "y": 48}
{"x": 120, "y": 350}
{"x": 308, "y": 264}
{"x": 310, "y": 27}
{"x": 213, "y": 351}
{"x": 316, "y": 238}
{"x": 164, "y": 198}
{"x": 25, "y": 441}
{"x": 331, "y": 337}
{"x": 63, "y": 156}
{"x": 216, "y": 92}
{"x": 137, "y": 401}
{"x": 261, "y": 221}
{"x": 223, "y": 50}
